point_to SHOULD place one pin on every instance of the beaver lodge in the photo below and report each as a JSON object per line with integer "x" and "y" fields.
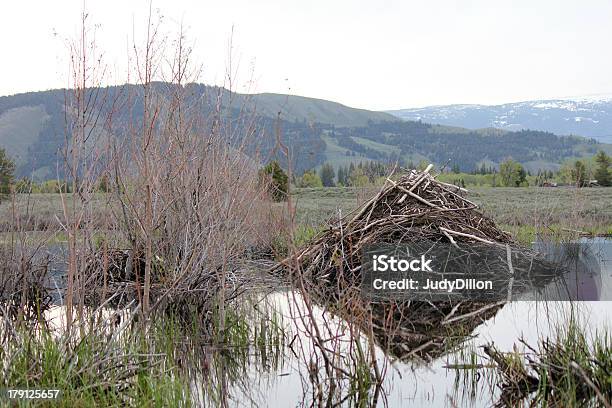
{"x": 412, "y": 208}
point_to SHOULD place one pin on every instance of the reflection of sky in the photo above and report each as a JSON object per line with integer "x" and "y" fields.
{"x": 589, "y": 266}
{"x": 433, "y": 386}
{"x": 602, "y": 249}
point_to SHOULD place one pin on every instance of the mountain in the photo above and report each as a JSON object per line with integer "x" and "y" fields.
{"x": 584, "y": 116}
{"x": 32, "y": 130}
{"x": 32, "y": 124}
{"x": 316, "y": 110}
{"x": 411, "y": 141}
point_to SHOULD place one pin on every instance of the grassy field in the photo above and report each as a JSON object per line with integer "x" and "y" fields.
{"x": 43, "y": 211}
{"x": 521, "y": 211}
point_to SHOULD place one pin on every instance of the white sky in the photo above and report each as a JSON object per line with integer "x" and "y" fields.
{"x": 373, "y": 54}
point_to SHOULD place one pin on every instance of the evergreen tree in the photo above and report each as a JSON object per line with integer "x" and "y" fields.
{"x": 327, "y": 175}
{"x": 522, "y": 175}
{"x": 602, "y": 174}
{"x": 277, "y": 179}
{"x": 340, "y": 176}
{"x": 347, "y": 173}
{"x": 7, "y": 172}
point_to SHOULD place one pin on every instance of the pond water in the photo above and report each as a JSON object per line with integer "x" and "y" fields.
{"x": 408, "y": 384}
{"x": 288, "y": 380}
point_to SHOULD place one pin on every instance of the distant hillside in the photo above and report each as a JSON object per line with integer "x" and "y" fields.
{"x": 411, "y": 141}
{"x": 588, "y": 116}
{"x": 299, "y": 108}
{"x": 32, "y": 131}
{"x": 316, "y": 110}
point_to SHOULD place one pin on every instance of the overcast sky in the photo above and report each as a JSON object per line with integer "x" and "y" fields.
{"x": 369, "y": 54}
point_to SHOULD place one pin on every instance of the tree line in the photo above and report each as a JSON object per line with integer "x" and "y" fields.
{"x": 511, "y": 173}
{"x": 594, "y": 171}
{"x": 8, "y": 183}
{"x": 352, "y": 175}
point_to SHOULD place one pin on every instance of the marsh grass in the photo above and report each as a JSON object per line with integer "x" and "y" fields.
{"x": 526, "y": 212}
{"x": 116, "y": 361}
{"x": 568, "y": 369}
{"x": 473, "y": 377}
{"x": 573, "y": 367}
{"x": 303, "y": 234}
{"x": 97, "y": 369}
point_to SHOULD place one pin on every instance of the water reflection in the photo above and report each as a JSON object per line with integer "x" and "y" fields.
{"x": 430, "y": 378}
{"x": 272, "y": 359}
{"x": 585, "y": 263}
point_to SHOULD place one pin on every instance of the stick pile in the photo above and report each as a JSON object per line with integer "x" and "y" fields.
{"x": 411, "y": 209}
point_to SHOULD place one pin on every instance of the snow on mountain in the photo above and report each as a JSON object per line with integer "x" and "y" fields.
{"x": 588, "y": 116}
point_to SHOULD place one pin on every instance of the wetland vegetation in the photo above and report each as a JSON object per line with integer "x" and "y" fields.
{"x": 167, "y": 271}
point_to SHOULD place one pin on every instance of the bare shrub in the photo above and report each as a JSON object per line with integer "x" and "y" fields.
{"x": 23, "y": 264}
{"x": 186, "y": 197}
